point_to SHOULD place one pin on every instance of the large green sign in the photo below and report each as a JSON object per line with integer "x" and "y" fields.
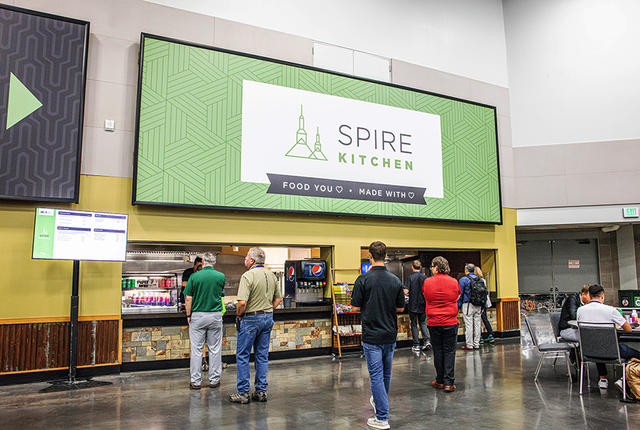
{"x": 227, "y": 130}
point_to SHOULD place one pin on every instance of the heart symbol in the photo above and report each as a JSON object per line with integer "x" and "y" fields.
{"x": 411, "y": 195}
{"x": 339, "y": 189}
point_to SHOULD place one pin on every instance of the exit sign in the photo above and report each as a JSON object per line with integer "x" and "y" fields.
{"x": 630, "y": 212}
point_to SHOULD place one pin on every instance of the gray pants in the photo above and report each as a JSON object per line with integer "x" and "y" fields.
{"x": 570, "y": 334}
{"x": 472, "y": 320}
{"x": 206, "y": 326}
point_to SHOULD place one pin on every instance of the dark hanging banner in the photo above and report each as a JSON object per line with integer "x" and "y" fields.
{"x": 42, "y": 82}
{"x": 337, "y": 189}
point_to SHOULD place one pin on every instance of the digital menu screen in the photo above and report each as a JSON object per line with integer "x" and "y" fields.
{"x": 61, "y": 234}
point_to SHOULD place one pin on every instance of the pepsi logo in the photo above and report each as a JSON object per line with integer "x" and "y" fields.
{"x": 316, "y": 270}
{"x": 292, "y": 273}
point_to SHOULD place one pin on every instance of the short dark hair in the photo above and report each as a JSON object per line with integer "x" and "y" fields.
{"x": 378, "y": 250}
{"x": 441, "y": 264}
{"x": 416, "y": 264}
{"x": 197, "y": 260}
{"x": 595, "y": 290}
{"x": 470, "y": 267}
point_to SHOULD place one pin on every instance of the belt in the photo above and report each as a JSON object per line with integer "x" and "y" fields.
{"x": 255, "y": 313}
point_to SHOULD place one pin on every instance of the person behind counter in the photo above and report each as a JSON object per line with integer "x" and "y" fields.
{"x": 197, "y": 266}
{"x": 379, "y": 296}
{"x": 203, "y": 301}
{"x": 258, "y": 296}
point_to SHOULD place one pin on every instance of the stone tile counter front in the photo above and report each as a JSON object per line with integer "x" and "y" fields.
{"x": 169, "y": 343}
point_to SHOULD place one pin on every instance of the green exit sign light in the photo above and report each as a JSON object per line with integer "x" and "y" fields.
{"x": 630, "y": 212}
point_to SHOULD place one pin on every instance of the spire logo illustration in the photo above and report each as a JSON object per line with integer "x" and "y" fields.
{"x": 301, "y": 148}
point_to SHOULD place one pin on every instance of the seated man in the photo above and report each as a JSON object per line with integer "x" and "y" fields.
{"x": 596, "y": 311}
{"x": 570, "y": 312}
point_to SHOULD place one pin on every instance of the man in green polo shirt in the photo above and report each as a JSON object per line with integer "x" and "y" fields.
{"x": 203, "y": 301}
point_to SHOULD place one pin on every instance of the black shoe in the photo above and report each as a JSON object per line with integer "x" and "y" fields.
{"x": 216, "y": 385}
{"x": 239, "y": 398}
{"x": 426, "y": 346}
{"x": 259, "y": 396}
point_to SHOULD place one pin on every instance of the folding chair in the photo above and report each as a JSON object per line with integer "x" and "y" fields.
{"x": 599, "y": 344}
{"x": 554, "y": 317}
{"x": 547, "y": 349}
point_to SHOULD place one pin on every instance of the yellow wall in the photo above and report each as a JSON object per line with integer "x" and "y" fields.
{"x": 39, "y": 288}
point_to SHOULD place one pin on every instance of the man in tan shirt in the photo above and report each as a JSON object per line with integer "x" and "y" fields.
{"x": 258, "y": 296}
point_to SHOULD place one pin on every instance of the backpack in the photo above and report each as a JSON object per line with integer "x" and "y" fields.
{"x": 478, "y": 296}
{"x": 633, "y": 378}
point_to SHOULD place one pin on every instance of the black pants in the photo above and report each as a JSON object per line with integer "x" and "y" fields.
{"x": 419, "y": 323}
{"x": 443, "y": 341}
{"x": 485, "y": 321}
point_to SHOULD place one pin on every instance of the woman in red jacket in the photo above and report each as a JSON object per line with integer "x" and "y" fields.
{"x": 441, "y": 293}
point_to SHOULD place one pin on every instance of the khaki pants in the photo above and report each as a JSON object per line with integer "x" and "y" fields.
{"x": 472, "y": 319}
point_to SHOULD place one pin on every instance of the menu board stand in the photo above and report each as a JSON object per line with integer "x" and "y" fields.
{"x": 72, "y": 383}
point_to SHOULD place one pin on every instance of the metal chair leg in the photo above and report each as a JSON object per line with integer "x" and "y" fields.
{"x": 554, "y": 360}
{"x": 581, "y": 375}
{"x": 624, "y": 381}
{"x": 535, "y": 378}
{"x": 566, "y": 357}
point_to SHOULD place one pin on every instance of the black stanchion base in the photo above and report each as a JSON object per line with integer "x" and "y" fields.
{"x": 57, "y": 386}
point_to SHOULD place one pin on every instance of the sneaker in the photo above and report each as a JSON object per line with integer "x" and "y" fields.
{"x": 467, "y": 348}
{"x": 214, "y": 385}
{"x": 476, "y": 347}
{"x": 449, "y": 388}
{"x": 375, "y": 423}
{"x": 436, "y": 384}
{"x": 490, "y": 339}
{"x": 619, "y": 385}
{"x": 603, "y": 384}
{"x": 372, "y": 404}
{"x": 259, "y": 396}
{"x": 426, "y": 346}
{"x": 415, "y": 348}
{"x": 194, "y": 386}
{"x": 239, "y": 398}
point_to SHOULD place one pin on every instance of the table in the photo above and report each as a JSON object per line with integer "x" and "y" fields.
{"x": 633, "y": 336}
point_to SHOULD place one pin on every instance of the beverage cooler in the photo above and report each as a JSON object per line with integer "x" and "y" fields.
{"x": 149, "y": 292}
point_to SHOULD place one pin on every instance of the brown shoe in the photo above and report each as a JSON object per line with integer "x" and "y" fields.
{"x": 194, "y": 387}
{"x": 449, "y": 388}
{"x": 435, "y": 384}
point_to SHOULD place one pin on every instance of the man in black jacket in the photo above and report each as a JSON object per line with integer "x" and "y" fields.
{"x": 570, "y": 312}
{"x": 417, "y": 307}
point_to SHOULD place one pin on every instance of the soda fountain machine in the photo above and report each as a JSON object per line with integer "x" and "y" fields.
{"x": 305, "y": 281}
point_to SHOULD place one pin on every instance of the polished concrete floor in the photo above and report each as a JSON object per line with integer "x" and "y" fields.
{"x": 495, "y": 390}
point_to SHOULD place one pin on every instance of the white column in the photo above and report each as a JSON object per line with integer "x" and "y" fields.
{"x": 627, "y": 258}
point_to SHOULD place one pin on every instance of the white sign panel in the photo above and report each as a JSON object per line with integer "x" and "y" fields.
{"x": 61, "y": 234}
{"x": 347, "y": 146}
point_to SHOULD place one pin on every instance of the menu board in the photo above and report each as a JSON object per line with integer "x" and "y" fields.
{"x": 227, "y": 130}
{"x": 61, "y": 234}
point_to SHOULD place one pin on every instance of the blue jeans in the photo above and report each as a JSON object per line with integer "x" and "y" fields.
{"x": 255, "y": 332}
{"x": 379, "y": 359}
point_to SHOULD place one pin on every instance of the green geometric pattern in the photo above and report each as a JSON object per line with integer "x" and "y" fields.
{"x": 189, "y": 145}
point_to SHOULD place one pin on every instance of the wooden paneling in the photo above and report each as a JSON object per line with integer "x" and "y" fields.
{"x": 42, "y": 346}
{"x": 509, "y": 314}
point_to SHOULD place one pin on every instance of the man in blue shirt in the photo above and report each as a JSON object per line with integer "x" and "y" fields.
{"x": 471, "y": 313}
